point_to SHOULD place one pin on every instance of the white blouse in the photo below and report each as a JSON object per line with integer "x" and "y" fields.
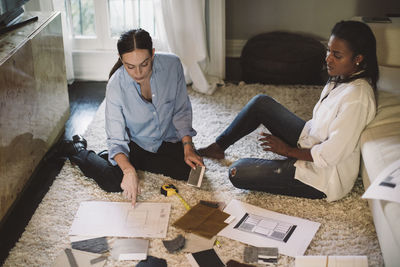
{"x": 333, "y": 134}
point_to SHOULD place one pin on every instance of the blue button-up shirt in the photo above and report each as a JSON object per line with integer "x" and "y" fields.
{"x": 131, "y": 118}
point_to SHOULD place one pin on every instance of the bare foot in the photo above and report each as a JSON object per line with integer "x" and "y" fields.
{"x": 213, "y": 151}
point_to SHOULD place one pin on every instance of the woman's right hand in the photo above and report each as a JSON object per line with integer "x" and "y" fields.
{"x": 130, "y": 184}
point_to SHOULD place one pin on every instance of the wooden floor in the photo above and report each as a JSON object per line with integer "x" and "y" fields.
{"x": 84, "y": 98}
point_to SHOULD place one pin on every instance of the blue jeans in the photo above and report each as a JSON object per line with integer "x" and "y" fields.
{"x": 272, "y": 176}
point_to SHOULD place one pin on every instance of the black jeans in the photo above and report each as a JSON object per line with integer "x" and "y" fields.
{"x": 273, "y": 176}
{"x": 168, "y": 160}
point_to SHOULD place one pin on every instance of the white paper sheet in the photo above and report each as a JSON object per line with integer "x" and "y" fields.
{"x": 291, "y": 235}
{"x": 331, "y": 261}
{"x": 130, "y": 249}
{"x": 98, "y": 218}
{"x": 387, "y": 185}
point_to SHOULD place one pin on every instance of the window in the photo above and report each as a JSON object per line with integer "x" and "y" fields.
{"x": 82, "y": 13}
{"x": 97, "y": 24}
{"x": 130, "y": 14}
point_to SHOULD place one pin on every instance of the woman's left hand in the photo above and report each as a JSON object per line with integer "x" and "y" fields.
{"x": 192, "y": 158}
{"x": 274, "y": 144}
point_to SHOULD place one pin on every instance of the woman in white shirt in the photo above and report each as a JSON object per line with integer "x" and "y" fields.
{"x": 323, "y": 154}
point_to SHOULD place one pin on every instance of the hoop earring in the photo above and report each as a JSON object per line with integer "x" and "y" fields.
{"x": 358, "y": 63}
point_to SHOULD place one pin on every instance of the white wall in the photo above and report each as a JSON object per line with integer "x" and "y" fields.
{"x": 246, "y": 18}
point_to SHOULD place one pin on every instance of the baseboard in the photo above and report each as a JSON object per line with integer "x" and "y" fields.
{"x": 234, "y": 47}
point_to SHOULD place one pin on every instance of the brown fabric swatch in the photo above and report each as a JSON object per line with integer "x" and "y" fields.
{"x": 203, "y": 220}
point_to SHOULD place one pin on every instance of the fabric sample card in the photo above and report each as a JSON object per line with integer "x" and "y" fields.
{"x": 152, "y": 262}
{"x": 233, "y": 263}
{"x": 78, "y": 258}
{"x": 130, "y": 249}
{"x": 214, "y": 204}
{"x": 268, "y": 255}
{"x": 205, "y": 258}
{"x": 203, "y": 220}
{"x": 250, "y": 254}
{"x": 262, "y": 255}
{"x": 196, "y": 176}
{"x": 95, "y": 245}
{"x": 196, "y": 243}
{"x": 174, "y": 244}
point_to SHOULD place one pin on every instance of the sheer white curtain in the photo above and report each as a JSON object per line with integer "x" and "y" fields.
{"x": 181, "y": 26}
{"x": 58, "y": 5}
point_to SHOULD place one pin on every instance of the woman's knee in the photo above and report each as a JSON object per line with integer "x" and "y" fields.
{"x": 261, "y": 100}
{"x": 233, "y": 177}
{"x": 260, "y": 103}
{"x": 110, "y": 180}
{"x": 243, "y": 172}
{"x": 110, "y": 187}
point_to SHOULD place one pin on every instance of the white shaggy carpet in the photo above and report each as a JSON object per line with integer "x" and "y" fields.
{"x": 346, "y": 225}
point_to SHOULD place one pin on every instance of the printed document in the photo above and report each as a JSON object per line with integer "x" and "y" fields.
{"x": 387, "y": 185}
{"x": 263, "y": 228}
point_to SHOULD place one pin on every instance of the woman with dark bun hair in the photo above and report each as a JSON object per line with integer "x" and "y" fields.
{"x": 322, "y": 154}
{"x": 148, "y": 120}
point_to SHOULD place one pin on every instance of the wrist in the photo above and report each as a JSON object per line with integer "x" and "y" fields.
{"x": 128, "y": 170}
{"x": 187, "y": 144}
{"x": 288, "y": 151}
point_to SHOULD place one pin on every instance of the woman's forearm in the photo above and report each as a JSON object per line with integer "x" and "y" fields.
{"x": 123, "y": 162}
{"x": 299, "y": 153}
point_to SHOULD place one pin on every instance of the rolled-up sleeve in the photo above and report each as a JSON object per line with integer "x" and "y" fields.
{"x": 344, "y": 133}
{"x": 182, "y": 118}
{"x": 117, "y": 136}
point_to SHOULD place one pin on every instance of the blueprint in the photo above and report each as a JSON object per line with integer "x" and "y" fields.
{"x": 99, "y": 218}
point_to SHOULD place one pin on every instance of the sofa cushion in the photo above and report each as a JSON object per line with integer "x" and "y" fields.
{"x": 392, "y": 213}
{"x": 380, "y": 141}
{"x": 389, "y": 79}
{"x": 387, "y": 42}
{"x": 388, "y": 111}
{"x": 380, "y": 147}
